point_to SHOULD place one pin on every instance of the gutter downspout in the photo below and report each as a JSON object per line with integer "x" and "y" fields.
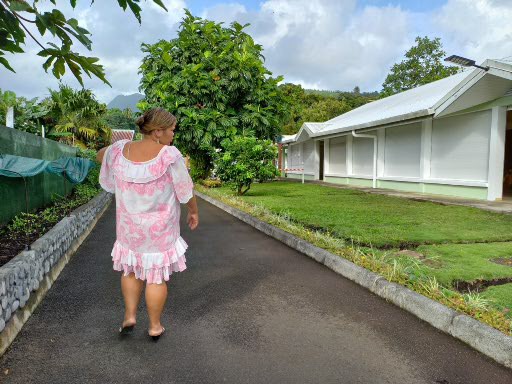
{"x": 374, "y": 154}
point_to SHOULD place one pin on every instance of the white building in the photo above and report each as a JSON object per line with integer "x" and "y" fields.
{"x": 451, "y": 137}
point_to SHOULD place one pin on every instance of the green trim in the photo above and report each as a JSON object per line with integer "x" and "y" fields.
{"x": 401, "y": 186}
{"x": 349, "y": 181}
{"x": 479, "y": 193}
{"x": 336, "y": 180}
{"x": 299, "y": 176}
{"x": 457, "y": 190}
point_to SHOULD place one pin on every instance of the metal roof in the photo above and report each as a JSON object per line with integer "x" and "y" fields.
{"x": 422, "y": 101}
{"x": 122, "y": 134}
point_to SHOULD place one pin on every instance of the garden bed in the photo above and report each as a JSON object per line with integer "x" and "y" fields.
{"x": 25, "y": 228}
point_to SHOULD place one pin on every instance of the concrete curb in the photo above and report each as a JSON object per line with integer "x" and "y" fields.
{"x": 480, "y": 336}
{"x": 20, "y": 316}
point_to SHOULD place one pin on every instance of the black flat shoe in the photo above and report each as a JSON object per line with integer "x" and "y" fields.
{"x": 156, "y": 337}
{"x": 126, "y": 330}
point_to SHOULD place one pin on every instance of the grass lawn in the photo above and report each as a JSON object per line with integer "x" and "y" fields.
{"x": 460, "y": 240}
{"x": 500, "y": 294}
{"x": 383, "y": 221}
{"x": 468, "y": 262}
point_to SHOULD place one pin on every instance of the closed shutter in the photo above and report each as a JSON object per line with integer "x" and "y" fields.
{"x": 460, "y": 147}
{"x": 338, "y": 155}
{"x": 403, "y": 151}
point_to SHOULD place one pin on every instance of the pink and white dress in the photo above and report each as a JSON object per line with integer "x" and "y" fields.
{"x": 148, "y": 197}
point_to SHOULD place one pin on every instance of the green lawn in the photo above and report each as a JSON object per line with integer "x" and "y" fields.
{"x": 460, "y": 240}
{"x": 382, "y": 221}
{"x": 468, "y": 262}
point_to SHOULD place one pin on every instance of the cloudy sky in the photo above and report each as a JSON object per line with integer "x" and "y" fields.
{"x": 321, "y": 44}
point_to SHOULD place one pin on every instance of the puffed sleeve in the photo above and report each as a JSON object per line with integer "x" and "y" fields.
{"x": 106, "y": 178}
{"x": 183, "y": 185}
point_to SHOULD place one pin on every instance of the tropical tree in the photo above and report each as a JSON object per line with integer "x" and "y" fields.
{"x": 298, "y": 101}
{"x": 318, "y": 106}
{"x": 244, "y": 160}
{"x": 422, "y": 65}
{"x": 120, "y": 119}
{"x": 15, "y": 15}
{"x": 77, "y": 118}
{"x": 214, "y": 80}
{"x": 324, "y": 109}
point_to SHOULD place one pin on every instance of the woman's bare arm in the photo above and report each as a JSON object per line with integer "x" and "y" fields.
{"x": 100, "y": 154}
{"x": 193, "y": 213}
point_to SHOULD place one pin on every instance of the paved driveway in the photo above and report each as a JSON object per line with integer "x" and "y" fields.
{"x": 247, "y": 310}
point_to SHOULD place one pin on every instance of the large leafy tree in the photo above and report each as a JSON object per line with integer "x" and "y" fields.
{"x": 214, "y": 80}
{"x": 17, "y": 15}
{"x": 422, "y": 65}
{"x": 78, "y": 118}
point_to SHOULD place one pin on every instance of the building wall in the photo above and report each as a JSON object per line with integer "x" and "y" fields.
{"x": 457, "y": 165}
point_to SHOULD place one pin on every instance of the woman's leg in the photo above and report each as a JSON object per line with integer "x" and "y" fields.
{"x": 132, "y": 289}
{"x": 156, "y": 294}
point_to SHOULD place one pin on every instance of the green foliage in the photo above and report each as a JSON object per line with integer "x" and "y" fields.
{"x": 308, "y": 105}
{"x": 211, "y": 183}
{"x": 15, "y": 15}
{"x": 244, "y": 160}
{"x": 324, "y": 109}
{"x": 92, "y": 178}
{"x": 24, "y": 224}
{"x": 28, "y": 114}
{"x": 199, "y": 170}
{"x": 78, "y": 118}
{"x": 117, "y": 119}
{"x": 422, "y": 65}
{"x": 214, "y": 80}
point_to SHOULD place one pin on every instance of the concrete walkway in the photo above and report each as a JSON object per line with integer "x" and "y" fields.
{"x": 247, "y": 310}
{"x": 504, "y": 206}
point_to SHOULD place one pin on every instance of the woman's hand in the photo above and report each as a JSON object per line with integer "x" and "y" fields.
{"x": 193, "y": 220}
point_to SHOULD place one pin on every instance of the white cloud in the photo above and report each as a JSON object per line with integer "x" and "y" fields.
{"x": 479, "y": 29}
{"x": 327, "y": 43}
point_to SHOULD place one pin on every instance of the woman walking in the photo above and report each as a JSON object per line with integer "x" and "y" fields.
{"x": 150, "y": 180}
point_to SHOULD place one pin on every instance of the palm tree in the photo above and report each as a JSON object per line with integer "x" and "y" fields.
{"x": 77, "y": 116}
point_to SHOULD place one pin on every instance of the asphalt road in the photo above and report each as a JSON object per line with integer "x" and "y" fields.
{"x": 247, "y": 310}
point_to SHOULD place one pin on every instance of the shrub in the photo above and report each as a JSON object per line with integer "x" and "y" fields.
{"x": 244, "y": 160}
{"x": 210, "y": 183}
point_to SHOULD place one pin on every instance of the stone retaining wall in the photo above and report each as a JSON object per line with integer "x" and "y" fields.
{"x": 21, "y": 277}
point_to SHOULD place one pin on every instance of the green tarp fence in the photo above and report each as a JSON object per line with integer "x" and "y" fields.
{"x": 75, "y": 169}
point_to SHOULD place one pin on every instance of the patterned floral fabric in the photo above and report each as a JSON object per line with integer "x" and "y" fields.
{"x": 148, "y": 197}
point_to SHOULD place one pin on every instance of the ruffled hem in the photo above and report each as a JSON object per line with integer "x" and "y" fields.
{"x": 153, "y": 267}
